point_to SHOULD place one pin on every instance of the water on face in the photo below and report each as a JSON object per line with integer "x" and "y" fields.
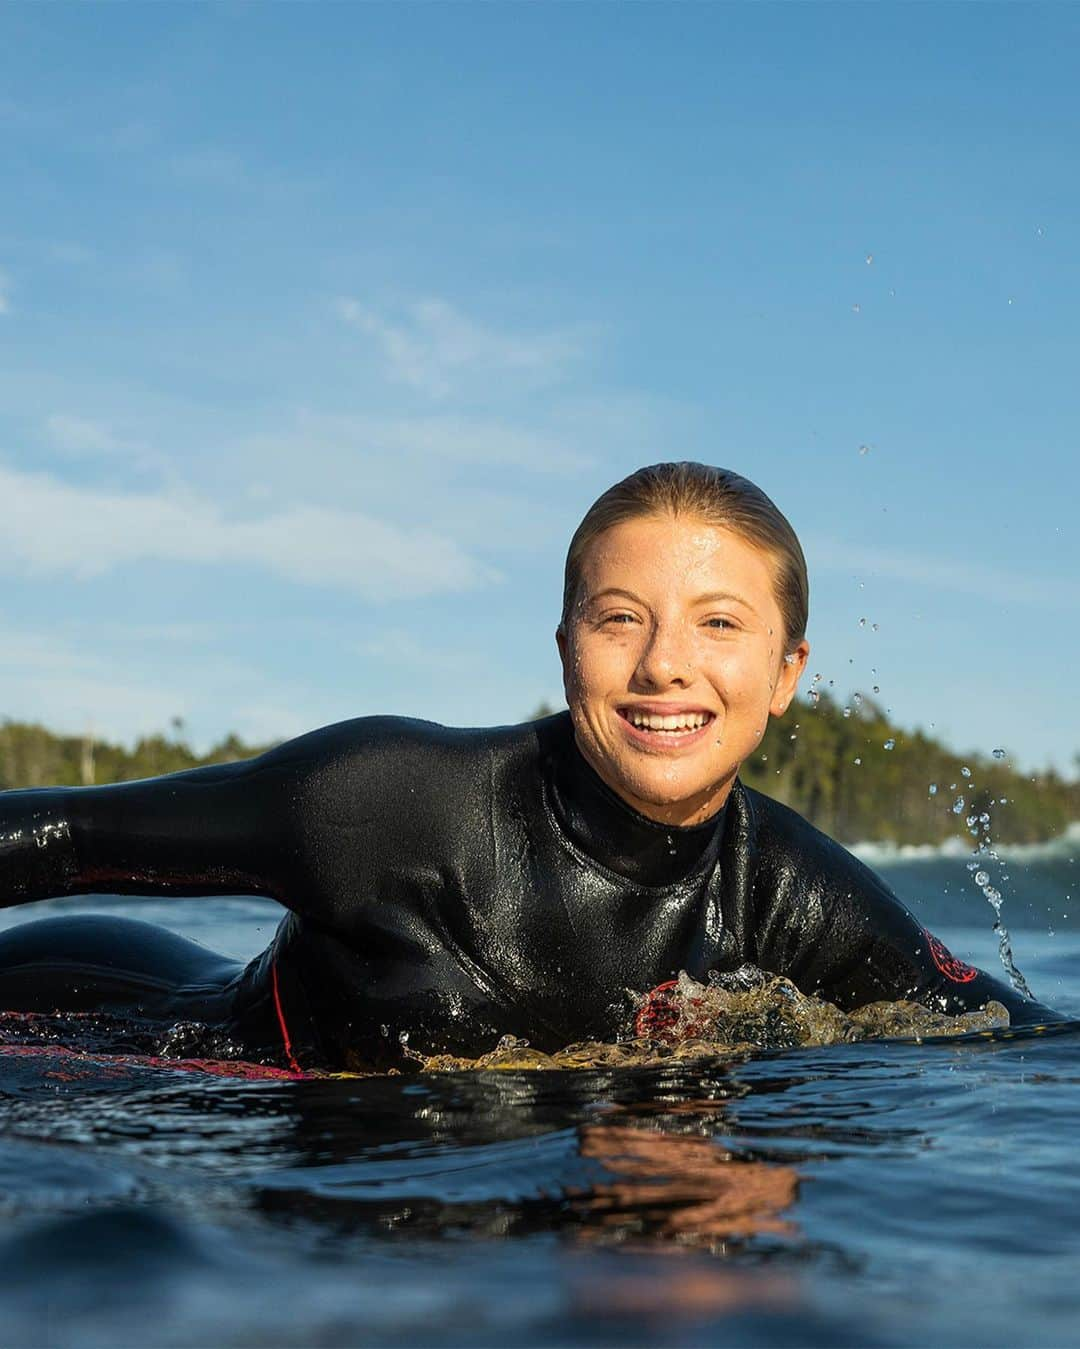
{"x": 830, "y": 1190}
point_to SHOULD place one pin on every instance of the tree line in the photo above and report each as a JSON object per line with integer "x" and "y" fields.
{"x": 850, "y": 770}
{"x": 859, "y": 777}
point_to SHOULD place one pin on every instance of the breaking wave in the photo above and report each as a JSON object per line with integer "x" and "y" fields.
{"x": 889, "y": 854}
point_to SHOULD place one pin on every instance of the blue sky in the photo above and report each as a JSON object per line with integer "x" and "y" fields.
{"x": 321, "y": 325}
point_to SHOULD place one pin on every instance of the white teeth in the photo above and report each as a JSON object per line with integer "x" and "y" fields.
{"x": 682, "y": 721}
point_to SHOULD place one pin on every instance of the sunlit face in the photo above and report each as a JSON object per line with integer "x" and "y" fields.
{"x": 673, "y": 661}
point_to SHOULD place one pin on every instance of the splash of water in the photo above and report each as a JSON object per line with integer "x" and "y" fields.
{"x": 984, "y": 855}
{"x": 737, "y": 1013}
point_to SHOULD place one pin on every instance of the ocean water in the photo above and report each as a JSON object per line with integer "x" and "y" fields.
{"x": 879, "y": 1193}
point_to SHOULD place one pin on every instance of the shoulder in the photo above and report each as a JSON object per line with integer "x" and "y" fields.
{"x": 396, "y": 749}
{"x": 790, "y": 854}
{"x": 816, "y": 911}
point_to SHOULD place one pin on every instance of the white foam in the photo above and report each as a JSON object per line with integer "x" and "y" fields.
{"x": 886, "y": 854}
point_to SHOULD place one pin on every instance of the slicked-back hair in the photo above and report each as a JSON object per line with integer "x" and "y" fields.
{"x": 716, "y": 496}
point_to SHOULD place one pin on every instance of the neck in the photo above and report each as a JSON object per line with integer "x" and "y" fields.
{"x": 686, "y": 813}
{"x": 614, "y": 832}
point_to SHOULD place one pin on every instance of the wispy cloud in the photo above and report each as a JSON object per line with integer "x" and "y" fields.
{"x": 69, "y": 253}
{"x": 57, "y": 527}
{"x": 438, "y": 439}
{"x": 74, "y": 682}
{"x": 79, "y": 435}
{"x": 433, "y": 347}
{"x": 90, "y": 438}
{"x": 48, "y": 676}
{"x": 210, "y": 166}
{"x": 943, "y": 574}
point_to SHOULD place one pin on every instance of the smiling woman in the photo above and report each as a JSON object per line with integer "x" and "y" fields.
{"x": 446, "y": 887}
{"x": 681, "y": 579}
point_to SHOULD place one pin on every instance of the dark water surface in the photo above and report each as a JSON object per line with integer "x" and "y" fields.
{"x": 867, "y": 1194}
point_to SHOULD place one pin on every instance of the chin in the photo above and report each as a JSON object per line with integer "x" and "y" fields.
{"x": 666, "y": 793}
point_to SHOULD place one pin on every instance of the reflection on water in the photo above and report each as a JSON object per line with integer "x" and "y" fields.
{"x": 865, "y": 1192}
{"x": 686, "y": 1188}
{"x": 727, "y": 1197}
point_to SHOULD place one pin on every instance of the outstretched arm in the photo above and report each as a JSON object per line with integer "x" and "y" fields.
{"x": 839, "y": 932}
{"x": 900, "y": 959}
{"x": 217, "y": 830}
{"x": 880, "y": 952}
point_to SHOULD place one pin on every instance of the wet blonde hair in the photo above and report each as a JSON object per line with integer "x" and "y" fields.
{"x": 718, "y": 497}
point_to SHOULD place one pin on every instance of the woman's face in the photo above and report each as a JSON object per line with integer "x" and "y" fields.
{"x": 673, "y": 660}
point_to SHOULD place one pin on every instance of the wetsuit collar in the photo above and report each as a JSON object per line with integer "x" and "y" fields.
{"x": 614, "y": 834}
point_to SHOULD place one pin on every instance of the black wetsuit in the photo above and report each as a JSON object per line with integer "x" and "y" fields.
{"x": 452, "y": 885}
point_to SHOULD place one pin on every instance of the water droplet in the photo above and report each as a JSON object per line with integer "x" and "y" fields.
{"x": 869, "y": 259}
{"x": 847, "y": 711}
{"x": 999, "y": 754}
{"x": 984, "y": 818}
{"x": 965, "y": 771}
{"x": 873, "y": 627}
{"x": 876, "y": 689}
{"x": 933, "y": 789}
{"x": 862, "y": 622}
{"x": 865, "y": 449}
{"x": 856, "y": 698}
{"x": 982, "y": 878}
{"x": 858, "y": 761}
{"x": 855, "y": 308}
{"x": 958, "y": 806}
{"x": 889, "y": 744}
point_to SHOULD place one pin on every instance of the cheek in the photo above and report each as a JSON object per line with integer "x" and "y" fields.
{"x": 597, "y": 667}
{"x": 741, "y": 674}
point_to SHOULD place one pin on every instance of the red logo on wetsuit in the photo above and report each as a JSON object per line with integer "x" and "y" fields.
{"x": 658, "y": 1012}
{"x": 947, "y": 963}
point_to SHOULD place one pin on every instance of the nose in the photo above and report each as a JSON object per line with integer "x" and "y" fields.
{"x": 666, "y": 659}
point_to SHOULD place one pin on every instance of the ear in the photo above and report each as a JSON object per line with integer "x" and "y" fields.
{"x": 560, "y": 642}
{"x": 791, "y": 668}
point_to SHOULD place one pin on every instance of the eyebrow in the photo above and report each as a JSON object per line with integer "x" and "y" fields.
{"x": 713, "y": 597}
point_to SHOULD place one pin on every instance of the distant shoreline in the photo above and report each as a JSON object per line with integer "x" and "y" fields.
{"x": 876, "y": 787}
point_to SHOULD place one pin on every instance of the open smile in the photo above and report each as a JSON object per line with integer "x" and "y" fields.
{"x": 665, "y": 727}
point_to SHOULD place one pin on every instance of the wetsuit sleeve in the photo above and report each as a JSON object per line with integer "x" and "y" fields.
{"x": 889, "y": 955}
{"x": 840, "y": 933}
{"x": 331, "y": 824}
{"x": 216, "y": 830}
